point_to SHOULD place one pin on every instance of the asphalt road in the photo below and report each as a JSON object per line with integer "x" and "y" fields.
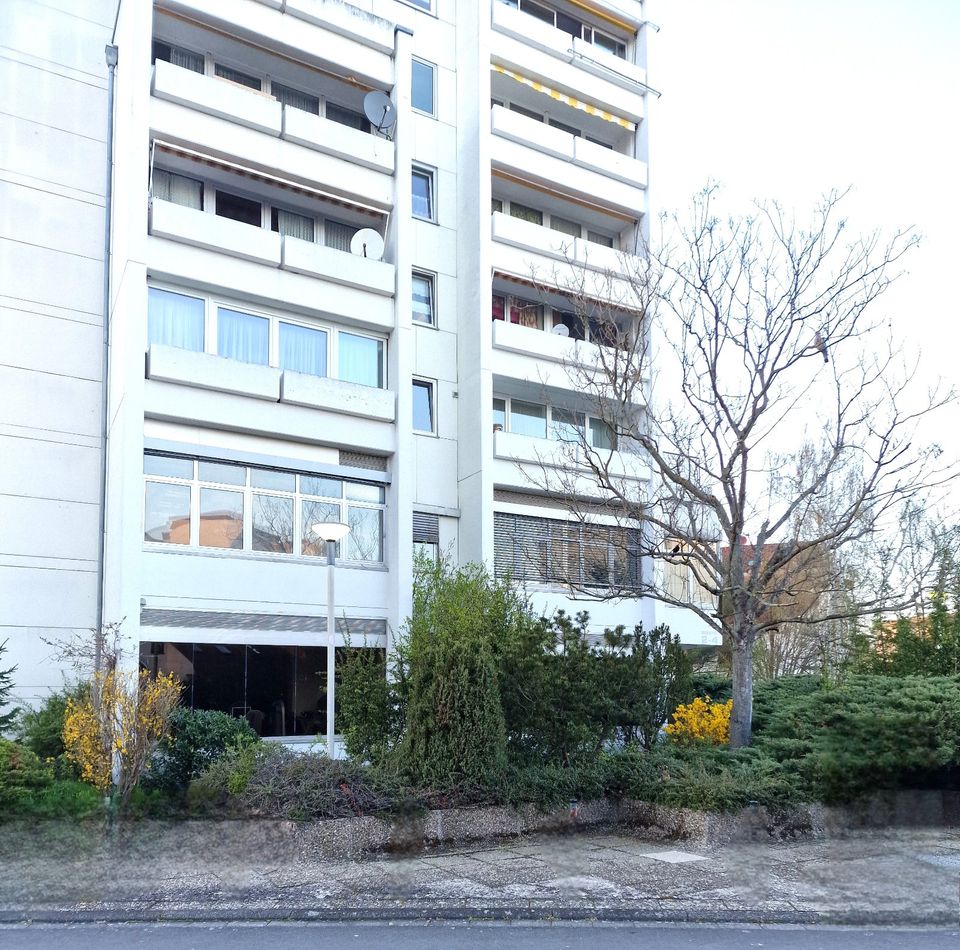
{"x": 463, "y": 936}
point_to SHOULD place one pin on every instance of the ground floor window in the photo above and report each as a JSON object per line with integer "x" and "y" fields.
{"x": 279, "y": 690}
{"x": 545, "y": 550}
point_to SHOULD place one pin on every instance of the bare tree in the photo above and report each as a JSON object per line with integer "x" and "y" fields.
{"x": 781, "y": 410}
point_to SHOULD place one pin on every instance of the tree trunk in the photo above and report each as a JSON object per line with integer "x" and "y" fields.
{"x": 741, "y": 719}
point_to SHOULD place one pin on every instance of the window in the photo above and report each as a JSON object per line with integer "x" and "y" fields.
{"x": 295, "y": 99}
{"x": 361, "y": 359}
{"x": 420, "y": 4}
{"x": 496, "y": 204}
{"x": 499, "y": 414}
{"x": 213, "y": 504}
{"x": 175, "y": 319}
{"x": 569, "y": 129}
{"x": 567, "y": 426}
{"x": 423, "y": 299}
{"x": 422, "y": 87}
{"x": 423, "y": 182}
{"x": 344, "y": 116}
{"x": 529, "y": 113}
{"x": 551, "y": 422}
{"x": 243, "y": 336}
{"x": 178, "y": 56}
{"x": 291, "y": 224}
{"x": 238, "y": 208}
{"x": 525, "y": 313}
{"x": 525, "y": 213}
{"x": 235, "y": 75}
{"x": 423, "y": 406}
{"x": 575, "y": 324}
{"x": 338, "y": 235}
{"x": 279, "y": 690}
{"x": 609, "y": 43}
{"x": 680, "y": 571}
{"x": 564, "y": 226}
{"x": 551, "y": 551}
{"x": 426, "y": 536}
{"x": 602, "y": 435}
{"x": 594, "y": 237}
{"x": 179, "y": 189}
{"x": 303, "y": 349}
{"x": 529, "y": 419}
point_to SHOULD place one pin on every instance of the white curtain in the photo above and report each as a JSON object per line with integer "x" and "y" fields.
{"x": 303, "y": 350}
{"x": 175, "y": 319}
{"x": 187, "y": 60}
{"x": 177, "y": 188}
{"x": 295, "y": 225}
{"x": 242, "y": 336}
{"x": 360, "y": 360}
{"x": 338, "y": 235}
{"x": 296, "y": 99}
{"x": 422, "y": 299}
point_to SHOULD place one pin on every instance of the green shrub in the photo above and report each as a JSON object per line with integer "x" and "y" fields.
{"x": 8, "y": 718}
{"x": 372, "y": 705}
{"x": 40, "y": 729}
{"x": 715, "y": 685}
{"x": 62, "y": 799}
{"x": 22, "y": 777}
{"x": 871, "y": 732}
{"x": 455, "y": 729}
{"x": 197, "y": 737}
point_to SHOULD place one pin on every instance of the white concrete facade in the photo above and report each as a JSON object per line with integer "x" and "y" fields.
{"x": 261, "y": 375}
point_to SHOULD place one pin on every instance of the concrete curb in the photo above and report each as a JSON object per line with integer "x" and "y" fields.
{"x": 679, "y": 915}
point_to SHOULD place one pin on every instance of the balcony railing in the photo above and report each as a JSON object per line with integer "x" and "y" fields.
{"x": 248, "y": 108}
{"x": 209, "y": 231}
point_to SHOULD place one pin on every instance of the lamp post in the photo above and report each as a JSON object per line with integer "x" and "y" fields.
{"x": 332, "y": 532}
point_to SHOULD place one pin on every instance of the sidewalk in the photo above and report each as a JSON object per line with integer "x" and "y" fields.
{"x": 904, "y": 877}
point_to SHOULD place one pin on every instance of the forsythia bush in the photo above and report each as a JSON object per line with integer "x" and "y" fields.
{"x": 701, "y": 721}
{"x": 121, "y": 718}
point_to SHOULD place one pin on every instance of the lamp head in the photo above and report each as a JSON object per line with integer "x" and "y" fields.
{"x": 334, "y": 531}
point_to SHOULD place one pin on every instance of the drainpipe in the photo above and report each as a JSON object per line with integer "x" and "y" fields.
{"x": 111, "y": 55}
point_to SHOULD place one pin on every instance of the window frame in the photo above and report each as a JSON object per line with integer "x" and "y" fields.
{"x": 551, "y": 424}
{"x": 430, "y": 174}
{"x": 430, "y": 385}
{"x": 432, "y": 111}
{"x": 431, "y": 279}
{"x": 212, "y": 303}
{"x": 249, "y": 491}
{"x": 547, "y": 222}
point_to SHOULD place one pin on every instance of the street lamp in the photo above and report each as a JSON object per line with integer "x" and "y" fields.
{"x": 332, "y": 532}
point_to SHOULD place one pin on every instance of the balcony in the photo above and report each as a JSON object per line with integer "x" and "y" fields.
{"x": 532, "y": 48}
{"x": 531, "y": 149}
{"x": 558, "y": 467}
{"x": 340, "y": 36}
{"x": 231, "y": 122}
{"x": 203, "y": 389}
{"x": 215, "y": 254}
{"x": 532, "y": 252}
{"x": 551, "y": 363}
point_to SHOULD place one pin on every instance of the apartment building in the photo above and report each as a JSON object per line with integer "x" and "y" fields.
{"x": 336, "y": 294}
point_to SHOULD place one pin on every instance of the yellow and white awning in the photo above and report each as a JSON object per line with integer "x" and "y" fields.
{"x": 563, "y": 97}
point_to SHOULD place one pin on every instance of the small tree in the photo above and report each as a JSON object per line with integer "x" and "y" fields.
{"x": 781, "y": 409}
{"x": 7, "y": 719}
{"x": 455, "y": 731}
{"x": 112, "y": 732}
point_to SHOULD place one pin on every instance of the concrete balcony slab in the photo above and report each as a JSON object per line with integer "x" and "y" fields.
{"x": 334, "y": 395}
{"x": 217, "y": 97}
{"x": 169, "y": 364}
{"x": 190, "y": 226}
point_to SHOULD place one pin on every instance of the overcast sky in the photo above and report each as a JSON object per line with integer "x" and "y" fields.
{"x": 786, "y": 99}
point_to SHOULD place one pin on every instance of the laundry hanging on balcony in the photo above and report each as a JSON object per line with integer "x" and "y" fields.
{"x": 563, "y": 97}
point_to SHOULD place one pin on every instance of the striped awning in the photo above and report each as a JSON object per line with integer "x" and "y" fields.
{"x": 569, "y": 100}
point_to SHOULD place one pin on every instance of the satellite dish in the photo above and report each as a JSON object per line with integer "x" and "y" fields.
{"x": 367, "y": 243}
{"x": 561, "y": 329}
{"x": 381, "y": 112}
